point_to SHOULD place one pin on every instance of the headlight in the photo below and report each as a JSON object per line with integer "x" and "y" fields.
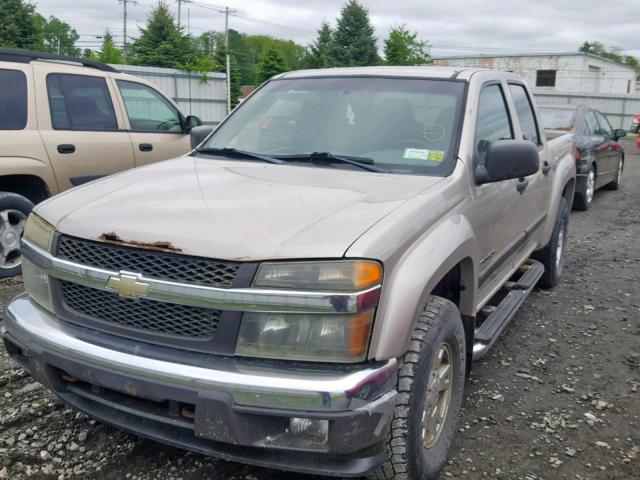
{"x": 36, "y": 284}
{"x": 39, "y": 232}
{"x": 290, "y": 336}
{"x": 338, "y": 275}
{"x": 333, "y": 337}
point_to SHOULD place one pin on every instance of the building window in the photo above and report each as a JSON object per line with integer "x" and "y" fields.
{"x": 546, "y": 78}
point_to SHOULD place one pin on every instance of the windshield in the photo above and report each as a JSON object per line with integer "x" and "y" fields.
{"x": 403, "y": 125}
{"x": 558, "y": 118}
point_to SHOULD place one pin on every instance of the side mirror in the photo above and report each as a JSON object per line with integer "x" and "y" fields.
{"x": 619, "y": 133}
{"x": 191, "y": 122}
{"x": 198, "y": 134}
{"x": 508, "y": 159}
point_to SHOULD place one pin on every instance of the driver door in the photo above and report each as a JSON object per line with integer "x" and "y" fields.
{"x": 155, "y": 125}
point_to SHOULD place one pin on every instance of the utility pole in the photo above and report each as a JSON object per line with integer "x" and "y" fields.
{"x": 124, "y": 25}
{"x": 180, "y": 2}
{"x": 228, "y": 57}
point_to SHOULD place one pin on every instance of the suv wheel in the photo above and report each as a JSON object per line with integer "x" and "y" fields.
{"x": 553, "y": 254}
{"x": 584, "y": 197}
{"x": 430, "y": 389}
{"x": 14, "y": 210}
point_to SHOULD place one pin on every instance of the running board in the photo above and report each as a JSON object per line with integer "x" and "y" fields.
{"x": 500, "y": 315}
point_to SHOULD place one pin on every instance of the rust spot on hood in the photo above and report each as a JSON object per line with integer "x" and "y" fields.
{"x": 160, "y": 245}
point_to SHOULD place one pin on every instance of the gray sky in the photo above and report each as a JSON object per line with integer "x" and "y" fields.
{"x": 453, "y": 27}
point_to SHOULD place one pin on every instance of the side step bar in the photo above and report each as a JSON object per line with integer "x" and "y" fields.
{"x": 503, "y": 313}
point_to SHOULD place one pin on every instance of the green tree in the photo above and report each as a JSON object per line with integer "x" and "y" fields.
{"x": 109, "y": 52}
{"x": 160, "y": 43}
{"x": 403, "y": 48}
{"x": 19, "y": 25}
{"x": 354, "y": 41}
{"x": 58, "y": 37}
{"x": 319, "y": 53}
{"x": 272, "y": 64}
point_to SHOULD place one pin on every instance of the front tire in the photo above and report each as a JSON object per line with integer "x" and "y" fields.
{"x": 14, "y": 210}
{"x": 615, "y": 185}
{"x": 430, "y": 390}
{"x": 553, "y": 254}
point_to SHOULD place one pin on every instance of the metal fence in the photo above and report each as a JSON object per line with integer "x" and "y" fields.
{"x": 204, "y": 98}
{"x": 619, "y": 109}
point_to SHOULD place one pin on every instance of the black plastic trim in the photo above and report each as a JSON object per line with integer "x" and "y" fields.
{"x": 27, "y": 56}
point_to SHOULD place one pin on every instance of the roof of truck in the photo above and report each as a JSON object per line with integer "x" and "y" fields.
{"x": 414, "y": 71}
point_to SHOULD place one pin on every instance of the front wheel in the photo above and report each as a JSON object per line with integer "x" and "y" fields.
{"x": 14, "y": 210}
{"x": 584, "y": 197}
{"x": 615, "y": 185}
{"x": 430, "y": 390}
{"x": 553, "y": 254}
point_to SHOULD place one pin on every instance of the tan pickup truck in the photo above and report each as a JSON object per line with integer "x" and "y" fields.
{"x": 65, "y": 121}
{"x": 305, "y": 290}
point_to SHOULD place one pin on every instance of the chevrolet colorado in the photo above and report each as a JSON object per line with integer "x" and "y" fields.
{"x": 307, "y": 288}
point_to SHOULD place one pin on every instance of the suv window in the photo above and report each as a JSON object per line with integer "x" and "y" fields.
{"x": 524, "y": 110}
{"x": 591, "y": 126}
{"x": 79, "y": 102}
{"x": 13, "y": 100}
{"x": 147, "y": 110}
{"x": 493, "y": 122}
{"x": 605, "y": 126}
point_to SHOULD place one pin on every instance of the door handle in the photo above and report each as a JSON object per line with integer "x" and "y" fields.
{"x": 145, "y": 147}
{"x": 522, "y": 185}
{"x": 66, "y": 148}
{"x": 546, "y": 168}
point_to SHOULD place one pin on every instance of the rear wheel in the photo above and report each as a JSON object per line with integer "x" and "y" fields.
{"x": 14, "y": 210}
{"x": 430, "y": 389}
{"x": 553, "y": 254}
{"x": 584, "y": 197}
{"x": 615, "y": 185}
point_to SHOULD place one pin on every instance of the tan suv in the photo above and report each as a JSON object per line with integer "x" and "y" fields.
{"x": 65, "y": 121}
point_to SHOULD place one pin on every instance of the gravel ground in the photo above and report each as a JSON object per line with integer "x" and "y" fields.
{"x": 557, "y": 398}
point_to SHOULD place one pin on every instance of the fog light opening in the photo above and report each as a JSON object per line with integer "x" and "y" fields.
{"x": 309, "y": 430}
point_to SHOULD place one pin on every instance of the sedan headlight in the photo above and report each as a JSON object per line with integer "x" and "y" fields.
{"x": 40, "y": 233}
{"x": 332, "y": 337}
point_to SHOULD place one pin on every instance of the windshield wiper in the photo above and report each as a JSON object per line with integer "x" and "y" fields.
{"x": 362, "y": 162}
{"x": 235, "y": 153}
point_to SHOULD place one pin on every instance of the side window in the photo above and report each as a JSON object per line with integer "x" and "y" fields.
{"x": 525, "y": 113}
{"x": 605, "y": 126}
{"x": 147, "y": 110}
{"x": 13, "y": 100}
{"x": 493, "y": 121}
{"x": 591, "y": 126}
{"x": 80, "y": 102}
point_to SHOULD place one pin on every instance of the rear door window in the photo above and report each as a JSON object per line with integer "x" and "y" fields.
{"x": 148, "y": 111}
{"x": 13, "y": 100}
{"x": 493, "y": 121}
{"x": 605, "y": 127}
{"x": 79, "y": 102}
{"x": 528, "y": 123}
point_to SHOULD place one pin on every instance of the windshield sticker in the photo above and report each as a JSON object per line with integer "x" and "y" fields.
{"x": 434, "y": 133}
{"x": 436, "y": 155}
{"x": 416, "y": 154}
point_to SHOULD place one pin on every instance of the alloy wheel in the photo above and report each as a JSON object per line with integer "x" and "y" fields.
{"x": 11, "y": 228}
{"x": 438, "y": 396}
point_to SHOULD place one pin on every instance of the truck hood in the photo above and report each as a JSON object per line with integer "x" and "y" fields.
{"x": 234, "y": 210}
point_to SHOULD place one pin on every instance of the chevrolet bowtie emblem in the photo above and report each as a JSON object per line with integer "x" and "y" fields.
{"x": 128, "y": 286}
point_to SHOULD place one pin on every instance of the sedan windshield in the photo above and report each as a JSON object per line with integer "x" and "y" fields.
{"x": 558, "y": 118}
{"x": 399, "y": 125}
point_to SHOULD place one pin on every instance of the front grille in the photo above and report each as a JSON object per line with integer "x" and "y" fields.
{"x": 141, "y": 314}
{"x": 161, "y": 265}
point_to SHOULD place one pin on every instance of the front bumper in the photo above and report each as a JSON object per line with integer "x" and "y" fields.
{"x": 235, "y": 409}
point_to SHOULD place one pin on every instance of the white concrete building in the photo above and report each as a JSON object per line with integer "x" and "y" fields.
{"x": 570, "y": 72}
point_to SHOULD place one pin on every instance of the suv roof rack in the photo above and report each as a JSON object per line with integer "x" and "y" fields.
{"x": 27, "y": 56}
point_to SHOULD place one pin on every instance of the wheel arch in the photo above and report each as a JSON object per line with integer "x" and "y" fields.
{"x": 29, "y": 186}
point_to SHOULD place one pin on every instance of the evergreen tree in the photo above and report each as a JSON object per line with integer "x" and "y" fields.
{"x": 58, "y": 37}
{"x": 109, "y": 52}
{"x": 319, "y": 53}
{"x": 354, "y": 41}
{"x": 19, "y": 25}
{"x": 403, "y": 48}
{"x": 272, "y": 64}
{"x": 161, "y": 44}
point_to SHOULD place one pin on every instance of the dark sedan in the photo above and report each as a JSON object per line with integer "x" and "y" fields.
{"x": 599, "y": 156}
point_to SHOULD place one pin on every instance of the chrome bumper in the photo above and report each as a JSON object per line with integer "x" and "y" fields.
{"x": 323, "y": 388}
